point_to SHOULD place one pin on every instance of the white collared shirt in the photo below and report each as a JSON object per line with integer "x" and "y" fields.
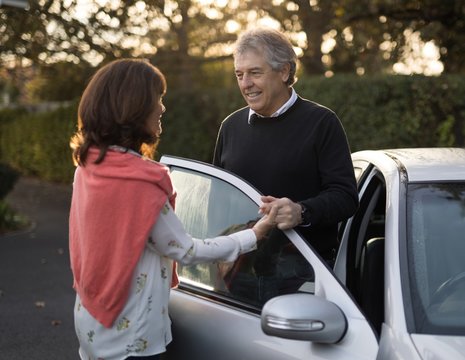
{"x": 282, "y": 109}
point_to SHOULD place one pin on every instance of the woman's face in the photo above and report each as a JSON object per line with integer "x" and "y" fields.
{"x": 154, "y": 120}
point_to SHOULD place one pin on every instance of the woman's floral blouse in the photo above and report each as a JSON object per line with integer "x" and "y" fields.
{"x": 143, "y": 328}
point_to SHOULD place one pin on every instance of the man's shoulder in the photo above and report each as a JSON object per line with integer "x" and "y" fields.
{"x": 242, "y": 112}
{"x": 311, "y": 105}
{"x": 236, "y": 116}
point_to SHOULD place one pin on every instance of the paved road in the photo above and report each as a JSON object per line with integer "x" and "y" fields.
{"x": 36, "y": 295}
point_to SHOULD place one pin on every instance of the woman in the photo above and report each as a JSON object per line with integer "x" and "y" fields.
{"x": 124, "y": 234}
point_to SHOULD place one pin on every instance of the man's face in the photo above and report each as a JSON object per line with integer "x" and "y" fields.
{"x": 265, "y": 90}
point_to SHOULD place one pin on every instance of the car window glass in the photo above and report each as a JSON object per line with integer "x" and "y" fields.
{"x": 209, "y": 207}
{"x": 436, "y": 228}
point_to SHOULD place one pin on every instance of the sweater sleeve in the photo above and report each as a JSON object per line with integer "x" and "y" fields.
{"x": 169, "y": 238}
{"x": 338, "y": 197}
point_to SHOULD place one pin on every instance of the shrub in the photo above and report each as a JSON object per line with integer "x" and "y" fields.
{"x": 377, "y": 112}
{"x": 9, "y": 176}
{"x": 9, "y": 219}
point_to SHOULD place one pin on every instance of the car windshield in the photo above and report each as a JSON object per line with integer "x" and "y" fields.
{"x": 436, "y": 249}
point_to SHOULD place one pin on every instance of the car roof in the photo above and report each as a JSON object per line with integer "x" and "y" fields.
{"x": 422, "y": 164}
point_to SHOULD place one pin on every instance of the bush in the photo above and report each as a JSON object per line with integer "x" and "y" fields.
{"x": 9, "y": 177}
{"x": 394, "y": 111}
{"x": 37, "y": 144}
{"x": 377, "y": 112}
{"x": 9, "y": 219}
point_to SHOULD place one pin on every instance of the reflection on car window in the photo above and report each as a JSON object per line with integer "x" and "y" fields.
{"x": 436, "y": 244}
{"x": 209, "y": 207}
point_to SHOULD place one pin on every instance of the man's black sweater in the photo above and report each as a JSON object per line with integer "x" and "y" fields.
{"x": 303, "y": 155}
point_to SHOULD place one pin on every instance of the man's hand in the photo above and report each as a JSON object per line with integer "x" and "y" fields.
{"x": 289, "y": 213}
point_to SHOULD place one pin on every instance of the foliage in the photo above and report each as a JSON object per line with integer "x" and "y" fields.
{"x": 9, "y": 219}
{"x": 61, "y": 81}
{"x": 10, "y": 114}
{"x": 9, "y": 177}
{"x": 9, "y": 92}
{"x": 38, "y": 143}
{"x": 377, "y": 112}
{"x": 394, "y": 111}
{"x": 436, "y": 20}
{"x": 182, "y": 36}
{"x": 191, "y": 121}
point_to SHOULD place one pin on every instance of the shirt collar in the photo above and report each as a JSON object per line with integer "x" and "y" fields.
{"x": 282, "y": 109}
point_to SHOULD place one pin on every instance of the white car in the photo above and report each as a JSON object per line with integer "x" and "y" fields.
{"x": 396, "y": 291}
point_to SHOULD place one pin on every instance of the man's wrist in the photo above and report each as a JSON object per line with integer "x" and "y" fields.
{"x": 304, "y": 215}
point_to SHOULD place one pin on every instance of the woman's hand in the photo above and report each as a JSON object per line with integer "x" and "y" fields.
{"x": 266, "y": 223}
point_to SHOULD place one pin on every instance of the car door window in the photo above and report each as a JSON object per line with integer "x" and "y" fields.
{"x": 209, "y": 206}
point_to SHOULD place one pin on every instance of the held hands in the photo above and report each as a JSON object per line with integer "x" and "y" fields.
{"x": 289, "y": 212}
{"x": 266, "y": 223}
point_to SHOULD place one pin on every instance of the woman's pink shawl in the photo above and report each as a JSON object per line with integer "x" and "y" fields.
{"x": 114, "y": 207}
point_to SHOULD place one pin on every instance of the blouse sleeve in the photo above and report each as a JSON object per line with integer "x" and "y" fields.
{"x": 169, "y": 238}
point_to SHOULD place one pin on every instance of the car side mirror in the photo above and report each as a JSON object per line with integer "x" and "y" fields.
{"x": 303, "y": 317}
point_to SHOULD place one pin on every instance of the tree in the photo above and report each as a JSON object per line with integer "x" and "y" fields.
{"x": 190, "y": 38}
{"x": 180, "y": 36}
{"x": 439, "y": 21}
{"x": 61, "y": 81}
{"x": 313, "y": 19}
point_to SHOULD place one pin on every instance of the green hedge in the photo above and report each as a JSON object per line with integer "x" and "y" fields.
{"x": 394, "y": 111}
{"x": 377, "y": 112}
{"x": 8, "y": 177}
{"x": 37, "y": 144}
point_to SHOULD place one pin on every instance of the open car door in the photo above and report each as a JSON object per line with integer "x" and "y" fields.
{"x": 217, "y": 309}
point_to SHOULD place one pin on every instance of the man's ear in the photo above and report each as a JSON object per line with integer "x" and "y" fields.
{"x": 285, "y": 72}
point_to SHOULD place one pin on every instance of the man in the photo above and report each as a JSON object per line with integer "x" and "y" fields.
{"x": 291, "y": 149}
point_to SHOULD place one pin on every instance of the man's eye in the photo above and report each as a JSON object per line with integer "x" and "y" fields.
{"x": 239, "y": 75}
{"x": 256, "y": 74}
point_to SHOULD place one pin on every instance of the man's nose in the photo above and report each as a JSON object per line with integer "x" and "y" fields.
{"x": 246, "y": 80}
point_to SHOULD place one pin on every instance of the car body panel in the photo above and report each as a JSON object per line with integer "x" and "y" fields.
{"x": 247, "y": 341}
{"x": 439, "y": 347}
{"x": 423, "y": 164}
{"x": 396, "y": 345}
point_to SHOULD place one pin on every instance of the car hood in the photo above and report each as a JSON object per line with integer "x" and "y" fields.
{"x": 439, "y": 346}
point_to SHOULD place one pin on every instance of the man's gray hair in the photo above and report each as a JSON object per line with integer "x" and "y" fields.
{"x": 274, "y": 46}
